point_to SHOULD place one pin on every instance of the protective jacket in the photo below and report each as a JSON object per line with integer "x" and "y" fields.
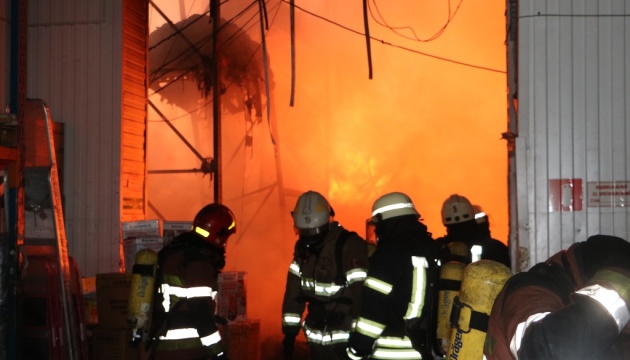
{"x": 394, "y": 290}
{"x": 329, "y": 280}
{"x": 183, "y": 320}
{"x": 481, "y": 245}
{"x": 547, "y": 313}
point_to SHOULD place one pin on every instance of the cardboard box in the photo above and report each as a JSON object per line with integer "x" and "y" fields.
{"x": 112, "y": 296}
{"x": 114, "y": 344}
{"x": 170, "y": 229}
{"x": 141, "y": 229}
{"x": 232, "y": 296}
{"x": 241, "y": 340}
{"x": 132, "y": 246}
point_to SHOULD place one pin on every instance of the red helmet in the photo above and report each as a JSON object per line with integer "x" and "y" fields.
{"x": 215, "y": 223}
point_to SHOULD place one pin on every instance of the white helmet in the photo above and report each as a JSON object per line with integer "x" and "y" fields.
{"x": 457, "y": 209}
{"x": 312, "y": 213}
{"x": 392, "y": 205}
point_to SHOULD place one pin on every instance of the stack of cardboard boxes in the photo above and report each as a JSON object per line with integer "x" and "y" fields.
{"x": 138, "y": 235}
{"x": 112, "y": 335}
{"x": 241, "y": 336}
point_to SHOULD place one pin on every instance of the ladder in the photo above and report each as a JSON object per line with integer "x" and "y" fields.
{"x": 37, "y": 121}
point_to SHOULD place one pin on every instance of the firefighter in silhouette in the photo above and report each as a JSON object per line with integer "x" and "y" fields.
{"x": 574, "y": 305}
{"x": 328, "y": 269}
{"x": 183, "y": 323}
{"x": 395, "y": 320}
{"x": 458, "y": 217}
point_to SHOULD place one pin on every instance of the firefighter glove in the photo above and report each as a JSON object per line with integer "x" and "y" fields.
{"x": 288, "y": 345}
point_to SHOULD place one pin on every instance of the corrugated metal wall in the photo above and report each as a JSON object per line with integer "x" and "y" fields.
{"x": 573, "y": 178}
{"x": 76, "y": 65}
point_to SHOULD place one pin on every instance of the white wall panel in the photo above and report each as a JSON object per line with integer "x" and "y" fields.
{"x": 74, "y": 65}
{"x": 572, "y": 119}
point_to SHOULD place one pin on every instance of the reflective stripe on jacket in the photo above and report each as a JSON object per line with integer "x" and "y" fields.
{"x": 186, "y": 296}
{"x": 332, "y": 308}
{"x": 393, "y": 292}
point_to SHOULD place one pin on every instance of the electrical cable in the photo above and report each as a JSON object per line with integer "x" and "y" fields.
{"x": 221, "y": 47}
{"x": 376, "y": 39}
{"x": 457, "y": 62}
{"x": 292, "y": 30}
{"x": 183, "y": 56}
{"x": 366, "y": 26}
{"x": 415, "y": 37}
{"x": 277, "y": 8}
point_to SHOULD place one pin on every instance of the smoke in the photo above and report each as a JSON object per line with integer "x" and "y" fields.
{"x": 424, "y": 125}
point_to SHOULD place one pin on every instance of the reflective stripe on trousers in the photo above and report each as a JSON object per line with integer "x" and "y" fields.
{"x": 394, "y": 348}
{"x": 328, "y": 337}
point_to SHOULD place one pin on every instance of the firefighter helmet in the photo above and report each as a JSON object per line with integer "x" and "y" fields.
{"x": 215, "y": 223}
{"x": 311, "y": 215}
{"x": 391, "y": 205}
{"x": 456, "y": 209}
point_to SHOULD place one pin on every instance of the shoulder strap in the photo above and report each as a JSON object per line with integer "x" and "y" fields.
{"x": 340, "y": 278}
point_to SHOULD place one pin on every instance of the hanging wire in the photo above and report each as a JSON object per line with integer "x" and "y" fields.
{"x": 366, "y": 26}
{"x": 276, "y": 7}
{"x": 183, "y": 57}
{"x": 457, "y": 62}
{"x": 415, "y": 37}
{"x": 292, "y": 29}
{"x": 263, "y": 28}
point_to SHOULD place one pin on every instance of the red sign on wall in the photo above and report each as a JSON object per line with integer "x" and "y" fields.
{"x": 565, "y": 195}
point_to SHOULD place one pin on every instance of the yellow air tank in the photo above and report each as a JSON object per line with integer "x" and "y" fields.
{"x": 141, "y": 292}
{"x": 451, "y": 275}
{"x": 483, "y": 280}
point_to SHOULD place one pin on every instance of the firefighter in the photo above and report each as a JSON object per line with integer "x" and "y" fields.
{"x": 328, "y": 269}
{"x": 396, "y": 290}
{"x": 183, "y": 322}
{"x": 459, "y": 220}
{"x": 575, "y": 305}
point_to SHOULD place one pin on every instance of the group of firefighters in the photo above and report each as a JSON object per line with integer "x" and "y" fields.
{"x": 408, "y": 296}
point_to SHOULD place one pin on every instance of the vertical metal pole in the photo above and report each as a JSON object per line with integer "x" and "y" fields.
{"x": 215, "y": 12}
{"x": 512, "y": 133}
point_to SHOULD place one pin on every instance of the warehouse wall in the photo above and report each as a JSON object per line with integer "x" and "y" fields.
{"x": 81, "y": 64}
{"x": 573, "y": 177}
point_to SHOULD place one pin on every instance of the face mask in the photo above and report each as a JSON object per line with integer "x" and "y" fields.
{"x": 309, "y": 245}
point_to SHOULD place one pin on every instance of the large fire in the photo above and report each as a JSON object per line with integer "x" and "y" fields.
{"x": 428, "y": 123}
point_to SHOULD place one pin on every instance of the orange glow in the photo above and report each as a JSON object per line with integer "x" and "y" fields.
{"x": 423, "y": 126}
